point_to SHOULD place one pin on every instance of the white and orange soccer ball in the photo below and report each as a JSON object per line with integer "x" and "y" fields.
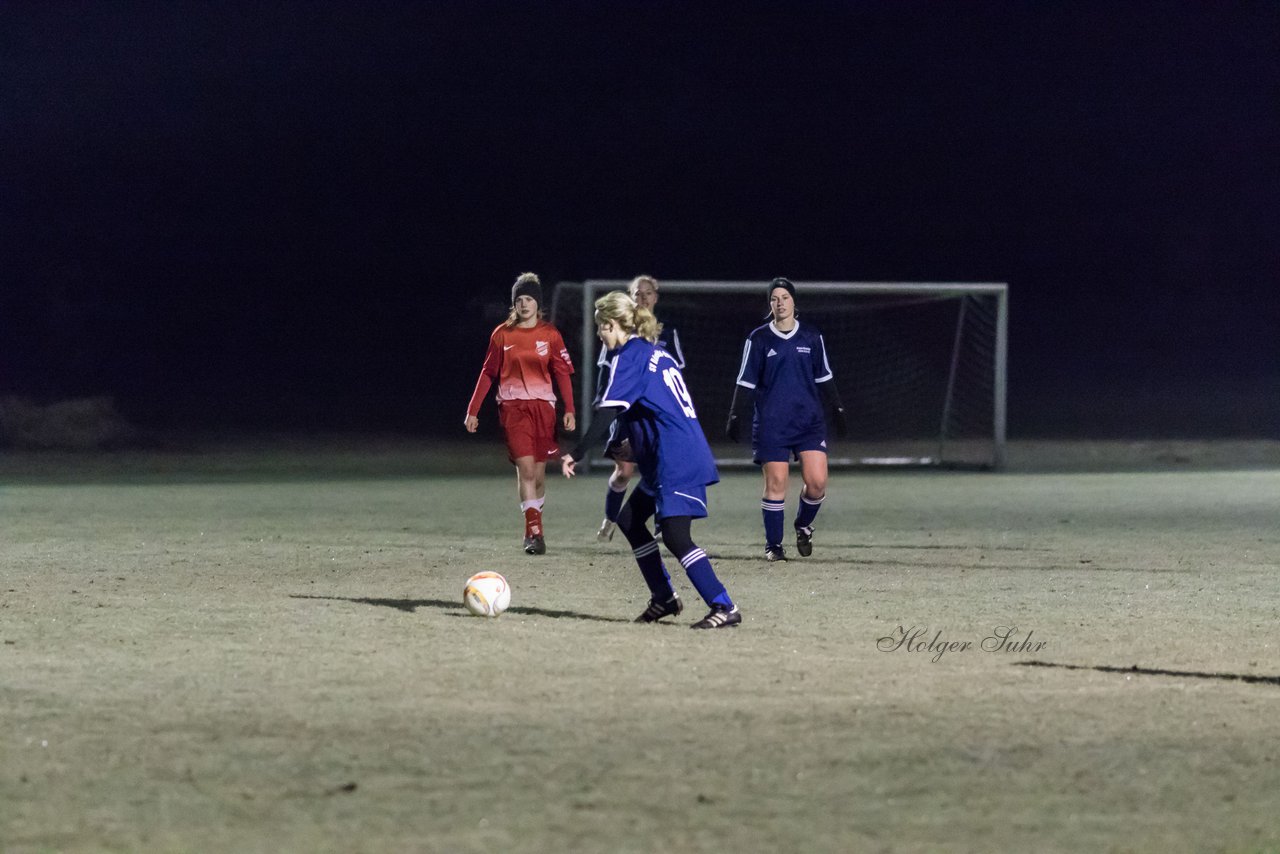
{"x": 487, "y": 594}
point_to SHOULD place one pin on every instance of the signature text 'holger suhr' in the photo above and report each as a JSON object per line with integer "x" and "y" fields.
{"x": 919, "y": 639}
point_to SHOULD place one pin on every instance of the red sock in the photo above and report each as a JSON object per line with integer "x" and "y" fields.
{"x": 532, "y": 522}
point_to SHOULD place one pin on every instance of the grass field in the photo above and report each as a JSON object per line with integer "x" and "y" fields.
{"x": 265, "y": 650}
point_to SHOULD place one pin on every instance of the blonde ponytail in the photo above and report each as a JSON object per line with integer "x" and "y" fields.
{"x": 619, "y": 307}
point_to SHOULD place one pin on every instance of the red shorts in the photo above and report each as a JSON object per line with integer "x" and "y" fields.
{"x": 530, "y": 427}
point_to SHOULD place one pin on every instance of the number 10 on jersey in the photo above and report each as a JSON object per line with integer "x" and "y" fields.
{"x": 675, "y": 382}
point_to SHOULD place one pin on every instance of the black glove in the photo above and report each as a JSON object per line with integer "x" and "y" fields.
{"x": 731, "y": 427}
{"x": 842, "y": 424}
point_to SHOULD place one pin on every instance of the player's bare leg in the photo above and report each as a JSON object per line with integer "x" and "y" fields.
{"x": 531, "y": 482}
{"x": 813, "y": 471}
{"x": 622, "y": 472}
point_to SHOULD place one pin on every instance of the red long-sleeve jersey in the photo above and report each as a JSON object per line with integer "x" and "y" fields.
{"x": 524, "y": 361}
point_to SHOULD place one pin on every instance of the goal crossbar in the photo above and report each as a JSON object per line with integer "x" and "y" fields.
{"x": 987, "y": 370}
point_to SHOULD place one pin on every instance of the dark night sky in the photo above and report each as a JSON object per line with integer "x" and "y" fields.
{"x": 295, "y": 214}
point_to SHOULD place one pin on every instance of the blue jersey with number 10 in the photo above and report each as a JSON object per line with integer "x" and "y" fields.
{"x": 667, "y": 442}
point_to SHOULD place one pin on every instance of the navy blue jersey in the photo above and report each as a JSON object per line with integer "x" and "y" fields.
{"x": 784, "y": 369}
{"x": 668, "y": 339}
{"x": 658, "y": 417}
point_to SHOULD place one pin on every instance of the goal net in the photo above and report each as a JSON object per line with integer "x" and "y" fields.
{"x": 921, "y": 367}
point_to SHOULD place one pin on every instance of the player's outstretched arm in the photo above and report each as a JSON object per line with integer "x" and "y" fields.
{"x": 598, "y": 430}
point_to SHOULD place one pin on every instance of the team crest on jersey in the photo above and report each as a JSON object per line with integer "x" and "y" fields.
{"x": 543, "y": 347}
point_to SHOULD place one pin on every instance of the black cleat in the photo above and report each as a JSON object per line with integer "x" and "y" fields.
{"x": 535, "y": 546}
{"x": 719, "y": 618}
{"x": 773, "y": 554}
{"x": 804, "y": 540}
{"x": 657, "y": 610}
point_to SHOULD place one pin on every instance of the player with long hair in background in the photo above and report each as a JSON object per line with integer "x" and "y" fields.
{"x": 786, "y": 375}
{"x": 661, "y": 428}
{"x": 525, "y": 355}
{"x": 644, "y": 290}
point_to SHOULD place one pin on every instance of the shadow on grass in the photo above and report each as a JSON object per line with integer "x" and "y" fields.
{"x": 411, "y": 605}
{"x": 1152, "y": 671}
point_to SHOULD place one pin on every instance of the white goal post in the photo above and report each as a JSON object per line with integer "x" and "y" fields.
{"x": 921, "y": 367}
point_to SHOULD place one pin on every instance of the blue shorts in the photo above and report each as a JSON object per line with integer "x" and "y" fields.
{"x": 761, "y": 454}
{"x": 688, "y": 501}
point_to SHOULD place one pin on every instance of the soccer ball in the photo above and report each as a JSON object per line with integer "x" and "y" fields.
{"x": 487, "y": 594}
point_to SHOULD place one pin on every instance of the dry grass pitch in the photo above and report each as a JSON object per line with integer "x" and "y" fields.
{"x": 267, "y": 651}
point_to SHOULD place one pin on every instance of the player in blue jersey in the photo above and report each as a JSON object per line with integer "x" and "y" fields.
{"x": 644, "y": 290}
{"x": 659, "y": 426}
{"x": 785, "y": 373}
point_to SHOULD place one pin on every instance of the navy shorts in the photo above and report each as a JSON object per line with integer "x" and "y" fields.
{"x": 688, "y": 501}
{"x": 762, "y": 453}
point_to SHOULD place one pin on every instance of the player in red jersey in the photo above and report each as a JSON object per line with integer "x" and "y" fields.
{"x": 525, "y": 354}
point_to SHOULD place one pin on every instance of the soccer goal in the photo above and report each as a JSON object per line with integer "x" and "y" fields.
{"x": 921, "y": 367}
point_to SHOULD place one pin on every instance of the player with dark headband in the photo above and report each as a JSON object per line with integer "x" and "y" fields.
{"x": 666, "y": 441}
{"x": 525, "y": 354}
{"x": 786, "y": 375}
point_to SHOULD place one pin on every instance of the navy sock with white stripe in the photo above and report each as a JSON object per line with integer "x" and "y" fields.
{"x": 807, "y": 510}
{"x": 773, "y": 519}
{"x": 655, "y": 574}
{"x": 613, "y": 501}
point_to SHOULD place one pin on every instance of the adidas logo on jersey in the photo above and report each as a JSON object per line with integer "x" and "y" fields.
{"x": 772, "y": 352}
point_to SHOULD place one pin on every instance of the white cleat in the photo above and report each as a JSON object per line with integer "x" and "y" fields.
{"x": 605, "y": 534}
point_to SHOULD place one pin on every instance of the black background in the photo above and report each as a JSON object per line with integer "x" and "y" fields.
{"x": 307, "y": 215}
